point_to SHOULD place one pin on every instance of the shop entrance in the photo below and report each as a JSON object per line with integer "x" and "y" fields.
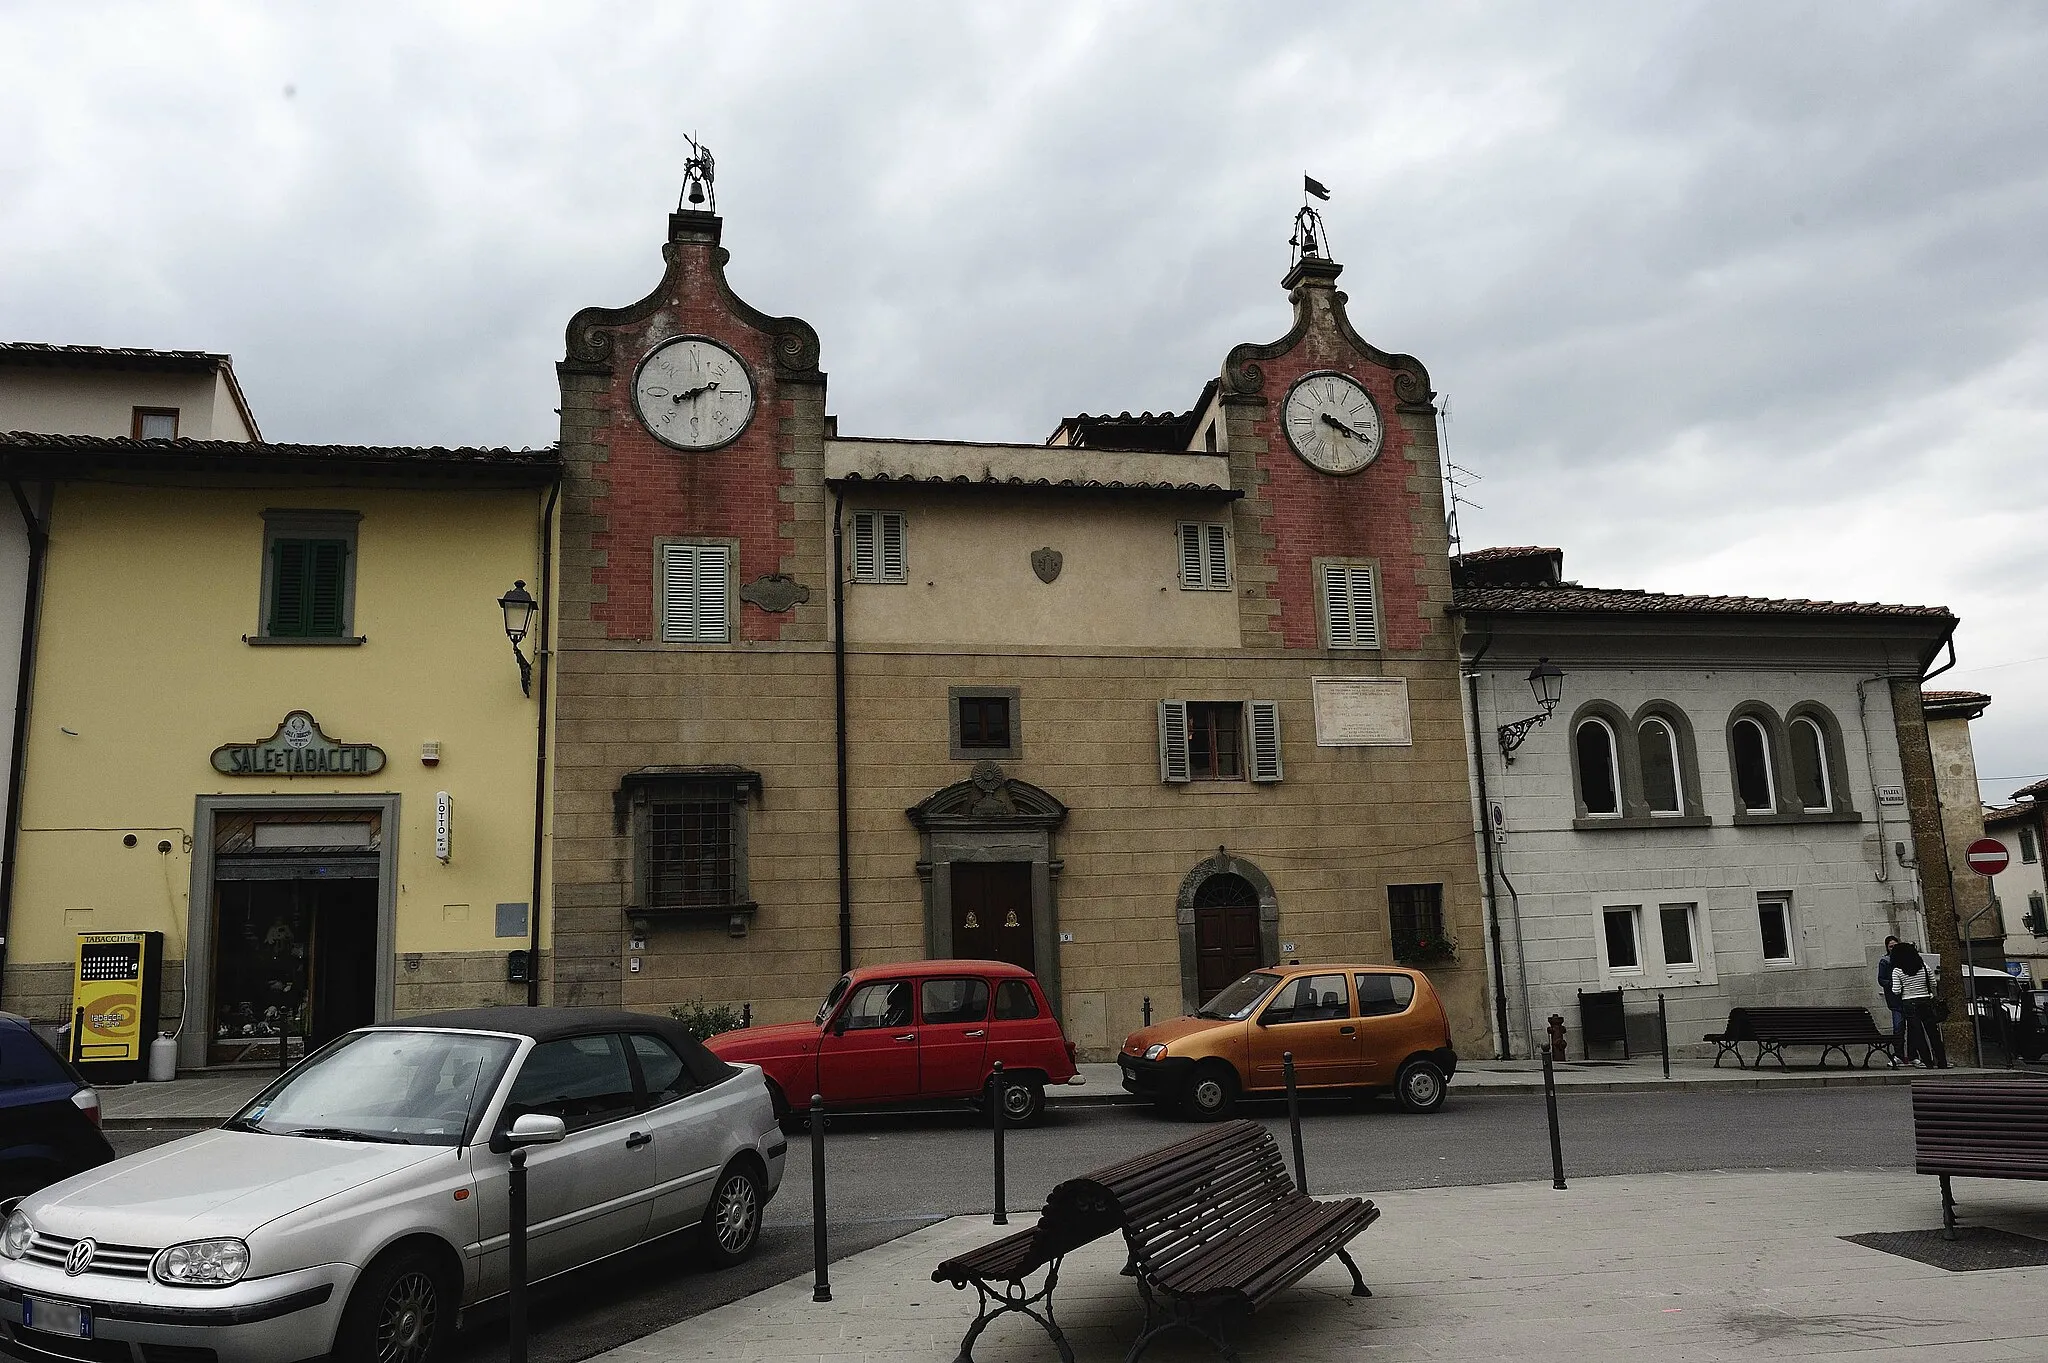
{"x": 294, "y": 932}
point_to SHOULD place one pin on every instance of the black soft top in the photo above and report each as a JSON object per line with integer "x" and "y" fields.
{"x": 554, "y": 1024}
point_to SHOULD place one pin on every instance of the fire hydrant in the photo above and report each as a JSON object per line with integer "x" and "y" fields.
{"x": 1557, "y": 1036}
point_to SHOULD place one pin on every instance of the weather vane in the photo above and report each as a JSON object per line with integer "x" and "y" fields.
{"x": 700, "y": 174}
{"x": 1309, "y": 239}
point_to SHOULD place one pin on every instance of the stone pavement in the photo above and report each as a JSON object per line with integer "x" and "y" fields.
{"x": 209, "y": 1096}
{"x": 1690, "y": 1266}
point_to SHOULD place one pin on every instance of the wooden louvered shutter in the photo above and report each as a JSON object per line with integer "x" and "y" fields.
{"x": 1191, "y": 556}
{"x": 1174, "y": 767}
{"x": 288, "y": 588}
{"x": 326, "y": 587}
{"x": 713, "y": 588}
{"x": 866, "y": 553}
{"x": 1265, "y": 739}
{"x": 1218, "y": 555}
{"x": 696, "y": 606}
{"x": 1350, "y": 606}
{"x": 890, "y": 565}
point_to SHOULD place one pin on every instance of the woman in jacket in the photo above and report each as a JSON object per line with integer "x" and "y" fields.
{"x": 1915, "y": 985}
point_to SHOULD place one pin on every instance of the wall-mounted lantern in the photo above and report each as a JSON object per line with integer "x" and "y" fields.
{"x": 1546, "y": 683}
{"x": 519, "y": 606}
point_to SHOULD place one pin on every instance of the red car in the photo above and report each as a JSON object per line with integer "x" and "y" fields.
{"x": 911, "y": 1032}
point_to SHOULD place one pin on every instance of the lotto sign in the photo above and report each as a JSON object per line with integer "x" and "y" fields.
{"x": 1987, "y": 856}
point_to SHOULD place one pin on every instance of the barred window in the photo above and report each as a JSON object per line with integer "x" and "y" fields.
{"x": 690, "y": 854}
{"x": 1415, "y": 916}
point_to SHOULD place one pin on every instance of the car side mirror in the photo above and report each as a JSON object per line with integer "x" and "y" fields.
{"x": 839, "y": 1025}
{"x": 533, "y": 1128}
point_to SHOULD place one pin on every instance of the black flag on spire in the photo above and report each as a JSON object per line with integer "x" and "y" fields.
{"x": 1309, "y": 185}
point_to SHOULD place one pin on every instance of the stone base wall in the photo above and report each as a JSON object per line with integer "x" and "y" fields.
{"x": 435, "y": 981}
{"x": 41, "y": 992}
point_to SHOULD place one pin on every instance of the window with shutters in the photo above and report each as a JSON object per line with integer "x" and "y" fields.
{"x": 1204, "y": 558}
{"x": 878, "y": 551}
{"x": 1349, "y": 597}
{"x": 1226, "y": 740}
{"x": 696, "y": 592}
{"x": 308, "y": 577}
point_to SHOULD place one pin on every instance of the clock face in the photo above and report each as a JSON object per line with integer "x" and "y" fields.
{"x": 1332, "y": 423}
{"x": 693, "y": 394}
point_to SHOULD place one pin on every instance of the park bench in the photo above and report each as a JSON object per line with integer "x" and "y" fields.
{"x": 1214, "y": 1226}
{"x": 1979, "y": 1128}
{"x": 1773, "y": 1029}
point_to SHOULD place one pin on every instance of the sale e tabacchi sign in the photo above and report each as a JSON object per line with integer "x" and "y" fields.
{"x": 298, "y": 748}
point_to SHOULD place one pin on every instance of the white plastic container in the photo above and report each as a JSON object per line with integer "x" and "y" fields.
{"x": 163, "y": 1059}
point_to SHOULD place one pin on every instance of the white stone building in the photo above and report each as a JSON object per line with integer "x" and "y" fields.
{"x": 2020, "y": 887}
{"x": 1727, "y": 805}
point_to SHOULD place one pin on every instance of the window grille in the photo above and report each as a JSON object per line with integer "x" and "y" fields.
{"x": 1415, "y": 914}
{"x": 690, "y": 854}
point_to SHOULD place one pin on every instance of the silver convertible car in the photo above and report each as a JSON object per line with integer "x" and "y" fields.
{"x": 360, "y": 1201}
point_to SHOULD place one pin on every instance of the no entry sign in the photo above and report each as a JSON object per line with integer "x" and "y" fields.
{"x": 1987, "y": 856}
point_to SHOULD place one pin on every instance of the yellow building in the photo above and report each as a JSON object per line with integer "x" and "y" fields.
{"x": 273, "y": 717}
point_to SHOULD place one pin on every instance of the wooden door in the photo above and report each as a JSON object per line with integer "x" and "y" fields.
{"x": 1226, "y": 933}
{"x": 992, "y": 912}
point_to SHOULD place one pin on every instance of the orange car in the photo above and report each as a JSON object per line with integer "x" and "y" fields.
{"x": 1349, "y": 1027}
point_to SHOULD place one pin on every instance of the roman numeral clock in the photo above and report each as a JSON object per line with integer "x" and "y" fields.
{"x": 693, "y": 394}
{"x": 1332, "y": 423}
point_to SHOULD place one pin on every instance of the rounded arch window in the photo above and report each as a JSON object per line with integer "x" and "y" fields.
{"x": 1599, "y": 773}
{"x": 1226, "y": 891}
{"x": 1658, "y": 746}
{"x": 1811, "y": 779}
{"x": 1755, "y": 783}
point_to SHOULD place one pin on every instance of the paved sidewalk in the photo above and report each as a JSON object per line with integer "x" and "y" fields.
{"x": 1654, "y": 1266}
{"x": 209, "y": 1097}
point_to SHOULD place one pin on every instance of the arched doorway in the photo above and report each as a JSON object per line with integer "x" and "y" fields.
{"x": 1226, "y": 932}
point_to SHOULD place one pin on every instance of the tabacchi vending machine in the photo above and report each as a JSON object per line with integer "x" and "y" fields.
{"x": 115, "y": 987}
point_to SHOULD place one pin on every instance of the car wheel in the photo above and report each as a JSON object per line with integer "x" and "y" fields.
{"x": 401, "y": 1311}
{"x": 1023, "y": 1102}
{"x": 732, "y": 1223}
{"x": 1420, "y": 1086}
{"x": 1211, "y": 1093}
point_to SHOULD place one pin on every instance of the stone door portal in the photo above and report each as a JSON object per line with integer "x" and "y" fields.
{"x": 992, "y": 912}
{"x": 1226, "y": 933}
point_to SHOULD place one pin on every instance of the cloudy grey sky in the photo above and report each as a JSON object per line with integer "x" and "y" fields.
{"x": 1740, "y": 297}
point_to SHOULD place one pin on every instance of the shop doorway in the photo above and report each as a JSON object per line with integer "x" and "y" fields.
{"x": 992, "y": 912}
{"x": 295, "y": 959}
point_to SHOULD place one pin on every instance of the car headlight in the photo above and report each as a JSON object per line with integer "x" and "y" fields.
{"x": 202, "y": 1263}
{"x": 1156, "y": 1051}
{"x": 16, "y": 1235}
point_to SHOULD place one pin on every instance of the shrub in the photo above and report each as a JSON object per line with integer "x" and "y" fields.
{"x": 706, "y": 1020}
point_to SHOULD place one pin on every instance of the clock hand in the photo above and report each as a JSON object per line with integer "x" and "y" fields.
{"x": 693, "y": 392}
{"x": 1329, "y": 420}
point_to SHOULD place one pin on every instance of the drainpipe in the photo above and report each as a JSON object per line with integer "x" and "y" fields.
{"x": 1500, "y": 978}
{"x": 839, "y": 729}
{"x": 31, "y": 612}
{"x": 542, "y": 656}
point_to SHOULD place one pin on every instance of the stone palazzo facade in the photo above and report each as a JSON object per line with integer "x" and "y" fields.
{"x": 1157, "y": 701}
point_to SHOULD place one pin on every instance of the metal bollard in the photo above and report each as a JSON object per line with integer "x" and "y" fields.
{"x": 515, "y": 1186}
{"x": 1664, "y": 1035}
{"x": 1550, "y": 1104}
{"x": 822, "y": 1273}
{"x": 1148, "y": 1010}
{"x": 1294, "y": 1121}
{"x": 747, "y": 1014}
{"x": 998, "y": 1093}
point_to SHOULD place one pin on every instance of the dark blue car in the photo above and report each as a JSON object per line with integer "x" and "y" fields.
{"x": 49, "y": 1116}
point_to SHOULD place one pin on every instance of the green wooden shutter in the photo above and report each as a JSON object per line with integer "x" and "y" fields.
{"x": 288, "y": 588}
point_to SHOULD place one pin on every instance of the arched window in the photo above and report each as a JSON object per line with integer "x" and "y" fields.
{"x": 1811, "y": 779}
{"x": 1755, "y": 784}
{"x": 1658, "y": 746}
{"x": 1599, "y": 773}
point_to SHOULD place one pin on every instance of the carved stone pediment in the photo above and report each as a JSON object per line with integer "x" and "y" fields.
{"x": 776, "y": 592}
{"x": 988, "y": 799}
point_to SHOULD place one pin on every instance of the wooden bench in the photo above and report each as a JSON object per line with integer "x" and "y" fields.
{"x": 1979, "y": 1128}
{"x": 1773, "y": 1029}
{"x": 1213, "y": 1223}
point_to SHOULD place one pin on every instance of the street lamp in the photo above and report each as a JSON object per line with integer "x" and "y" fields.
{"x": 1546, "y": 683}
{"x": 519, "y": 606}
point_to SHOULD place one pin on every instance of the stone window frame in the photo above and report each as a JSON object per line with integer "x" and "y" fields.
{"x": 1782, "y": 898}
{"x": 632, "y": 809}
{"x": 1610, "y": 718}
{"x": 1635, "y": 806}
{"x": 732, "y": 600}
{"x": 1014, "y": 695}
{"x": 1778, "y": 747}
{"x": 302, "y": 523}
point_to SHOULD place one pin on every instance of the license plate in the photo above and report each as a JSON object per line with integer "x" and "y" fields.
{"x": 56, "y": 1317}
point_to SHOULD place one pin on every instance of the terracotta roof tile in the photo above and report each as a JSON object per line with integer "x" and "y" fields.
{"x": 1569, "y": 599}
{"x": 100, "y": 356}
{"x": 1027, "y": 484}
{"x": 186, "y": 454}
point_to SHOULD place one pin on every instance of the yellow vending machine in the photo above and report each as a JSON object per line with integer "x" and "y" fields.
{"x": 115, "y": 987}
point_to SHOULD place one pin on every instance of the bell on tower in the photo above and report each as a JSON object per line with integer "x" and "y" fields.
{"x": 1310, "y": 241}
{"x": 700, "y": 174}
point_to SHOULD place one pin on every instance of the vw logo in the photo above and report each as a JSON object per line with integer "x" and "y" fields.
{"x": 80, "y": 1257}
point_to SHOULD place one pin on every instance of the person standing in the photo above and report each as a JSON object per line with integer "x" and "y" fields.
{"x": 1915, "y": 985}
{"x": 1891, "y": 1000}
